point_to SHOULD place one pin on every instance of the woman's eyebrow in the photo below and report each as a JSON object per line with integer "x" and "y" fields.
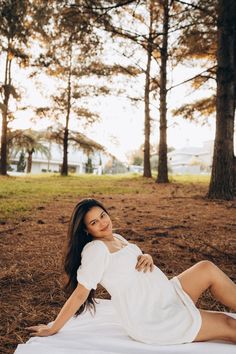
{"x": 96, "y": 219}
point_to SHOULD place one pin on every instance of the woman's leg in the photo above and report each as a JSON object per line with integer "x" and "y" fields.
{"x": 206, "y": 275}
{"x": 216, "y": 326}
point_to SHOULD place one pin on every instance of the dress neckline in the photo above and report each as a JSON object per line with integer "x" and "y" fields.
{"x": 122, "y": 248}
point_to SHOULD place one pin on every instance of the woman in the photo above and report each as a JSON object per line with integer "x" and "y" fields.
{"x": 152, "y": 308}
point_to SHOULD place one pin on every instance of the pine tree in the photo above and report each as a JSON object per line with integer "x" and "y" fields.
{"x": 74, "y": 58}
{"x": 14, "y": 34}
{"x": 198, "y": 40}
{"x": 21, "y": 164}
{"x": 222, "y": 176}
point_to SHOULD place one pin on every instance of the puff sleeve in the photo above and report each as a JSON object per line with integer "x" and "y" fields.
{"x": 95, "y": 258}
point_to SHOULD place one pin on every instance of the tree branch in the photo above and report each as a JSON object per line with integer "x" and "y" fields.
{"x": 192, "y": 78}
{"x": 121, "y": 3}
{"x": 196, "y": 7}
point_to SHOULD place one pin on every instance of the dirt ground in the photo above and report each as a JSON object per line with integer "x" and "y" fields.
{"x": 174, "y": 223}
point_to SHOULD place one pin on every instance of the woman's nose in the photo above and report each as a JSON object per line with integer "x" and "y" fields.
{"x": 103, "y": 223}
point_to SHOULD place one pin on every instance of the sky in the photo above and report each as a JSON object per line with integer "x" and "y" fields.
{"x": 127, "y": 125}
{"x": 121, "y": 128}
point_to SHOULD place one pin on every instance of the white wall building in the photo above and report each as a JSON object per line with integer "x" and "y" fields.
{"x": 77, "y": 160}
{"x": 191, "y": 160}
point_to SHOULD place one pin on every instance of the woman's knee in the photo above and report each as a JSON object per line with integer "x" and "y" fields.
{"x": 230, "y": 328}
{"x": 217, "y": 326}
{"x": 206, "y": 265}
{"x": 231, "y": 324}
{"x": 208, "y": 268}
{"x": 209, "y": 271}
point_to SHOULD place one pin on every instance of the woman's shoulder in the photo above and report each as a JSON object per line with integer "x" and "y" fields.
{"x": 94, "y": 246}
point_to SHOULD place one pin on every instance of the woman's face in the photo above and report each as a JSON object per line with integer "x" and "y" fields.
{"x": 98, "y": 223}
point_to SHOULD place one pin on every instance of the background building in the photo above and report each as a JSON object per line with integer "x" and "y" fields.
{"x": 191, "y": 160}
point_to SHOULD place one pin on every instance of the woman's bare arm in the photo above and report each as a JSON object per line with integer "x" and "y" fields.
{"x": 77, "y": 298}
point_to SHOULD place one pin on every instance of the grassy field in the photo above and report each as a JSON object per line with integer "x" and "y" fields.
{"x": 18, "y": 195}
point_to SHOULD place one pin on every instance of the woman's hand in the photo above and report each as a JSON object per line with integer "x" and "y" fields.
{"x": 145, "y": 263}
{"x": 40, "y": 331}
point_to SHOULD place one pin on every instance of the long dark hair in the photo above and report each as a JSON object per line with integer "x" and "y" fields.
{"x": 77, "y": 239}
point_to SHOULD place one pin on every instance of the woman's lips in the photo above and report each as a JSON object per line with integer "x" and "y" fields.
{"x": 105, "y": 228}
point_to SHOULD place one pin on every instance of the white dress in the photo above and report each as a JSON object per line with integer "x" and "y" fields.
{"x": 152, "y": 308}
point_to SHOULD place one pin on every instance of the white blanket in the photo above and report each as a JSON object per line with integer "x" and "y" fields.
{"x": 103, "y": 334}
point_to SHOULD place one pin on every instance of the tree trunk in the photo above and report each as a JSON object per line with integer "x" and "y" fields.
{"x": 6, "y": 92}
{"x": 147, "y": 124}
{"x": 29, "y": 161}
{"x": 64, "y": 169}
{"x": 234, "y": 163}
{"x": 221, "y": 184}
{"x": 3, "y": 163}
{"x": 162, "y": 176}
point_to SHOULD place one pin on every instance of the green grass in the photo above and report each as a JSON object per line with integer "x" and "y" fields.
{"x": 19, "y": 195}
{"x": 191, "y": 179}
